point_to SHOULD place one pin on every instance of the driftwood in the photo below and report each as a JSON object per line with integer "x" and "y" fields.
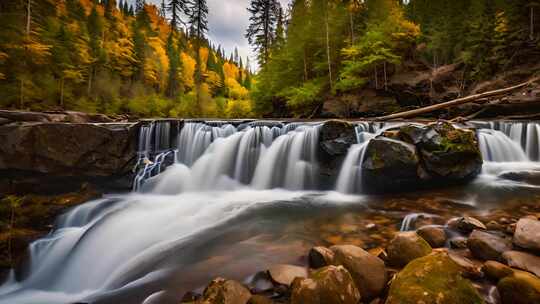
{"x": 456, "y": 102}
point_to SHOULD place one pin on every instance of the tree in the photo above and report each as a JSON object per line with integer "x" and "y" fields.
{"x": 198, "y": 20}
{"x": 260, "y": 32}
{"x": 176, "y": 8}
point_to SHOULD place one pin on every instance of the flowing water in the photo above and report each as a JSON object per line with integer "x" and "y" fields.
{"x": 217, "y": 199}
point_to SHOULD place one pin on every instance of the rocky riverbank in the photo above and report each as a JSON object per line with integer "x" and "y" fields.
{"x": 462, "y": 261}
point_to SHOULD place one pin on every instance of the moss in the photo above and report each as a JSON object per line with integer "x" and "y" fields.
{"x": 432, "y": 279}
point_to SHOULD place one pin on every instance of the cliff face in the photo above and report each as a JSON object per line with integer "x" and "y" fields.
{"x": 60, "y": 156}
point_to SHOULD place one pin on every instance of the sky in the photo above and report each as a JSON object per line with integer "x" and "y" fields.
{"x": 227, "y": 22}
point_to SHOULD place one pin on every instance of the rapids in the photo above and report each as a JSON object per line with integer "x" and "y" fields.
{"x": 228, "y": 200}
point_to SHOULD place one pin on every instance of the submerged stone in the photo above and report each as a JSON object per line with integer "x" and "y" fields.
{"x": 432, "y": 279}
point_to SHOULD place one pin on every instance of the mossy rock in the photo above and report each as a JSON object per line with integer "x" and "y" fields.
{"x": 405, "y": 247}
{"x": 432, "y": 279}
{"x": 520, "y": 288}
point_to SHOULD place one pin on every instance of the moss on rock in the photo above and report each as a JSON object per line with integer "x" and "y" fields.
{"x": 432, "y": 279}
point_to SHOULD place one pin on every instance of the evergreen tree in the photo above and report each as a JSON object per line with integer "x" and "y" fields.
{"x": 176, "y": 8}
{"x": 260, "y": 32}
{"x": 198, "y": 20}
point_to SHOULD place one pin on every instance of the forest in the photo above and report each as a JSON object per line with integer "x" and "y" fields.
{"x": 156, "y": 60}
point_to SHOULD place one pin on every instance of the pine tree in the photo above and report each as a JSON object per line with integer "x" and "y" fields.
{"x": 139, "y": 5}
{"x": 260, "y": 32}
{"x": 198, "y": 20}
{"x": 176, "y": 8}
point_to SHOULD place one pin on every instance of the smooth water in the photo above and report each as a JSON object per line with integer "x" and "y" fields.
{"x": 236, "y": 200}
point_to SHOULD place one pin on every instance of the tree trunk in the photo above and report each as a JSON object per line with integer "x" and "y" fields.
{"x": 305, "y": 66}
{"x": 90, "y": 75}
{"x": 532, "y": 23}
{"x": 376, "y": 79}
{"x": 21, "y": 102}
{"x": 328, "y": 49}
{"x": 28, "y": 16}
{"x": 351, "y": 24}
{"x": 62, "y": 92}
{"x": 456, "y": 102}
{"x": 385, "y": 78}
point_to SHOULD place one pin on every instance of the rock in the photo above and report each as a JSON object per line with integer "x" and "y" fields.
{"x": 258, "y": 299}
{"x": 523, "y": 261}
{"x": 61, "y": 116}
{"x": 432, "y": 279}
{"x": 368, "y": 271}
{"x": 529, "y": 177}
{"x": 405, "y": 247}
{"x": 337, "y": 136}
{"x": 285, "y": 274}
{"x": 470, "y": 269}
{"x": 487, "y": 246}
{"x": 527, "y": 234}
{"x": 467, "y": 224}
{"x": 222, "y": 291}
{"x": 495, "y": 270}
{"x": 458, "y": 242}
{"x": 331, "y": 284}
{"x": 320, "y": 257}
{"x": 519, "y": 288}
{"x": 389, "y": 165}
{"x": 434, "y": 235}
{"x": 449, "y": 153}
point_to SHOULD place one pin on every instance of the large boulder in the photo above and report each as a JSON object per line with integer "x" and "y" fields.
{"x": 331, "y": 284}
{"x": 223, "y": 291}
{"x": 405, "y": 247}
{"x": 487, "y": 246}
{"x": 527, "y": 234}
{"x": 389, "y": 165}
{"x": 447, "y": 153}
{"x": 433, "y": 279}
{"x": 335, "y": 139}
{"x": 523, "y": 261}
{"x": 367, "y": 270}
{"x": 519, "y": 288}
{"x": 60, "y": 154}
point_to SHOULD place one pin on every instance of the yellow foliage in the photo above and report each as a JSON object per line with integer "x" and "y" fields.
{"x": 238, "y": 108}
{"x": 188, "y": 65}
{"x": 230, "y": 70}
{"x": 236, "y": 91}
{"x": 121, "y": 55}
{"x": 203, "y": 53}
{"x": 155, "y": 71}
{"x": 213, "y": 79}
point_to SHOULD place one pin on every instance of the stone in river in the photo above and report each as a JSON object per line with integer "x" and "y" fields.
{"x": 487, "y": 246}
{"x": 320, "y": 256}
{"x": 519, "y": 288}
{"x": 434, "y": 235}
{"x": 527, "y": 234}
{"x": 467, "y": 224}
{"x": 225, "y": 291}
{"x": 328, "y": 285}
{"x": 495, "y": 270}
{"x": 367, "y": 270}
{"x": 285, "y": 274}
{"x": 405, "y": 247}
{"x": 523, "y": 261}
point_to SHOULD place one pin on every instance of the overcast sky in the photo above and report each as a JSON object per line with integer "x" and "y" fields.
{"x": 228, "y": 20}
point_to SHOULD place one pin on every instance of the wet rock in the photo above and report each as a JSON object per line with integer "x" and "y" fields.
{"x": 467, "y": 224}
{"x": 405, "y": 247}
{"x": 320, "y": 257}
{"x": 285, "y": 274}
{"x": 458, "y": 242}
{"x": 432, "y": 279}
{"x": 450, "y": 153}
{"x": 331, "y": 284}
{"x": 389, "y": 165}
{"x": 523, "y": 261}
{"x": 258, "y": 299}
{"x": 495, "y": 270}
{"x": 527, "y": 234}
{"x": 368, "y": 271}
{"x": 487, "y": 246}
{"x": 434, "y": 235}
{"x": 223, "y": 291}
{"x": 470, "y": 269}
{"x": 529, "y": 177}
{"x": 519, "y": 288}
{"x": 337, "y": 136}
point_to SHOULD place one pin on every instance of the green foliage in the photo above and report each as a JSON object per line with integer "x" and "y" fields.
{"x": 300, "y": 100}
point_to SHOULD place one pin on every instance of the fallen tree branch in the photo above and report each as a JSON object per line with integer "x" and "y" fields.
{"x": 455, "y": 102}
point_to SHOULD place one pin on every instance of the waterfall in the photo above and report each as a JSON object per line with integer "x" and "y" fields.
{"x": 227, "y": 157}
{"x": 350, "y": 175}
{"x": 526, "y": 135}
{"x": 497, "y": 147}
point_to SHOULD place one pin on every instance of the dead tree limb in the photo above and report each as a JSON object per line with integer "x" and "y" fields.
{"x": 456, "y": 102}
